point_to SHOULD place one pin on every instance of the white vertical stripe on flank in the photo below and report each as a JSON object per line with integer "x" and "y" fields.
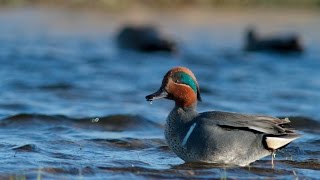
{"x": 185, "y": 139}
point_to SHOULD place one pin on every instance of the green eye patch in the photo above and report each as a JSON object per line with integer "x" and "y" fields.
{"x": 184, "y": 78}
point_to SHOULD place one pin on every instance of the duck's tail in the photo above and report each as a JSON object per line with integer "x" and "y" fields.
{"x": 274, "y": 142}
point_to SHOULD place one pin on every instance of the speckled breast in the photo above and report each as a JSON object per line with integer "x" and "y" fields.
{"x": 174, "y": 136}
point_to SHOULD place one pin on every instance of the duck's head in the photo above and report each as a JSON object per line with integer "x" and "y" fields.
{"x": 180, "y": 85}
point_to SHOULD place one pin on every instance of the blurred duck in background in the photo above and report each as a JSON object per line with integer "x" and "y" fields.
{"x": 287, "y": 43}
{"x": 144, "y": 38}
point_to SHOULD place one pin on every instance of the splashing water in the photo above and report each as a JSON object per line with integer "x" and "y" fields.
{"x": 95, "y": 120}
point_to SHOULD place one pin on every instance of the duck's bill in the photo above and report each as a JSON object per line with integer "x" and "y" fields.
{"x": 161, "y": 93}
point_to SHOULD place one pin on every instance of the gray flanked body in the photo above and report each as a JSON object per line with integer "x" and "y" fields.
{"x": 216, "y": 137}
{"x": 219, "y": 137}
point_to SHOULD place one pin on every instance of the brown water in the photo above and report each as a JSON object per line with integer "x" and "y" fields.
{"x": 72, "y": 105}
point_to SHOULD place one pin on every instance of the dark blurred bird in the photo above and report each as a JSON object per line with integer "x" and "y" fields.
{"x": 278, "y": 43}
{"x": 144, "y": 39}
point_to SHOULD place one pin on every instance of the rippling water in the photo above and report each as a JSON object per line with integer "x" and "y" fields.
{"x": 72, "y": 104}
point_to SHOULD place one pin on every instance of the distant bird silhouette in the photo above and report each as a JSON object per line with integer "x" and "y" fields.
{"x": 281, "y": 44}
{"x": 144, "y": 39}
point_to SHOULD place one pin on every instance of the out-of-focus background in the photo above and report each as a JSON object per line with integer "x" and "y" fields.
{"x": 74, "y": 75}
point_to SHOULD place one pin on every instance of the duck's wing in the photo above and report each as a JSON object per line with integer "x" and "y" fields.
{"x": 262, "y": 124}
{"x": 276, "y": 135}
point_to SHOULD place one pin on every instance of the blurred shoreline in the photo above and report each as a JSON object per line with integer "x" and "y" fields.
{"x": 121, "y": 5}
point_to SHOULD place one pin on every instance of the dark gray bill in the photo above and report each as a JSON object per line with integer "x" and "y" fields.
{"x": 161, "y": 93}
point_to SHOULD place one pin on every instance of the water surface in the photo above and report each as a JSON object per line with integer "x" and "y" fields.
{"x": 72, "y": 104}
